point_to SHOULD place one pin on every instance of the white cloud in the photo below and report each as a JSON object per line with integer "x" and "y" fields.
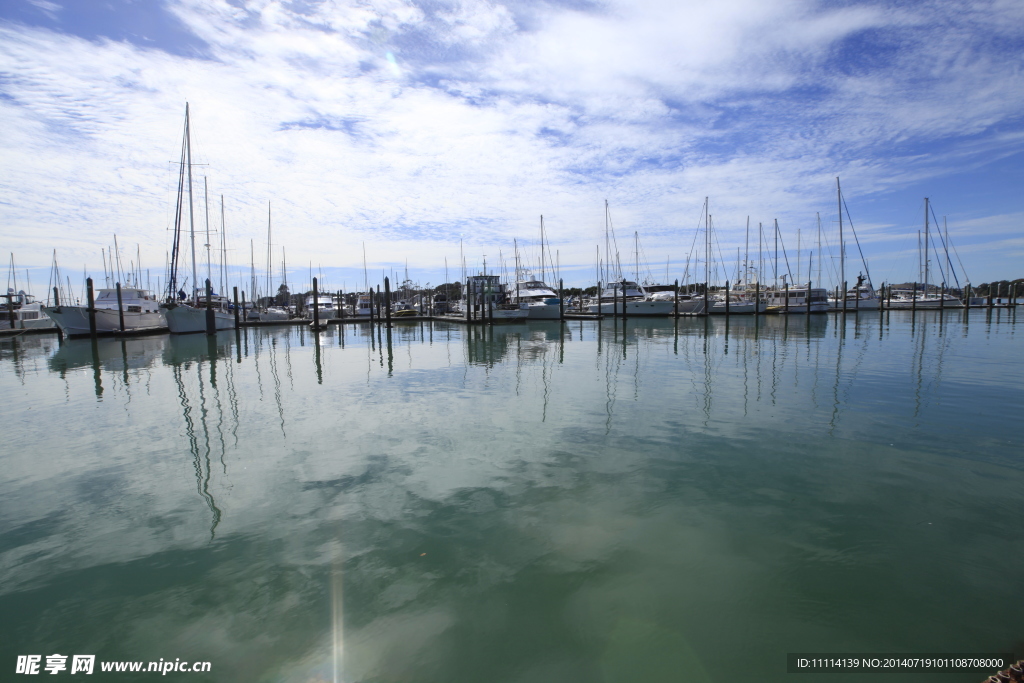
{"x": 491, "y": 116}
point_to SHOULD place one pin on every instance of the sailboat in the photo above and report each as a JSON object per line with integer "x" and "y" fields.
{"x": 860, "y": 297}
{"x": 925, "y": 298}
{"x": 187, "y": 315}
{"x": 620, "y": 294}
{"x": 540, "y": 300}
{"x": 272, "y": 313}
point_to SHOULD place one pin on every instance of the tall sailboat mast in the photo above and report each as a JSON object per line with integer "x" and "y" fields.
{"x": 191, "y": 216}
{"x": 270, "y": 252}
{"x": 542, "y": 273}
{"x": 925, "y": 251}
{"x": 842, "y": 246}
{"x": 206, "y": 204}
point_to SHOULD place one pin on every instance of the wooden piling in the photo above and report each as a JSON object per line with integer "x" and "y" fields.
{"x": 807, "y": 301}
{"x": 757, "y": 296}
{"x": 211, "y": 318}
{"x": 387, "y": 302}
{"x": 599, "y": 311}
{"x": 316, "y": 307}
{"x": 942, "y": 296}
{"x": 235, "y": 289}
{"x": 785, "y": 306}
{"x": 92, "y": 307}
{"x": 913, "y": 299}
{"x": 707, "y": 311}
{"x": 843, "y": 294}
{"x": 727, "y": 298}
{"x": 623, "y": 302}
{"x": 675, "y": 303}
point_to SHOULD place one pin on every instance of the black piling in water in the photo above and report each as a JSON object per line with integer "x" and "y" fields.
{"x": 236, "y": 307}
{"x": 990, "y": 296}
{"x": 316, "y": 307}
{"x": 92, "y": 307}
{"x": 706, "y": 309}
{"x": 387, "y": 301}
{"x": 211, "y": 319}
{"x": 785, "y": 306}
{"x": 807, "y": 301}
{"x": 675, "y": 299}
{"x": 244, "y": 316}
{"x": 845, "y": 285}
{"x": 599, "y": 311}
{"x": 56, "y": 304}
{"x": 120, "y": 307}
{"x": 561, "y": 304}
{"x": 370, "y": 293}
{"x": 757, "y": 296}
{"x": 726, "y": 297}
{"x": 623, "y": 302}
{"x": 913, "y": 299}
{"x": 469, "y": 302}
{"x": 942, "y": 296}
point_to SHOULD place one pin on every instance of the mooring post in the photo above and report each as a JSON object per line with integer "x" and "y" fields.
{"x": 942, "y": 296}
{"x": 387, "y": 296}
{"x": 845, "y": 285}
{"x": 245, "y": 316}
{"x": 785, "y": 308}
{"x": 211, "y": 319}
{"x": 316, "y": 306}
{"x": 56, "y": 304}
{"x": 10, "y": 309}
{"x": 675, "y": 299}
{"x": 757, "y": 297}
{"x": 624, "y": 302}
{"x": 121, "y": 309}
{"x": 990, "y": 296}
{"x": 235, "y": 292}
{"x": 727, "y": 297}
{"x": 599, "y": 311}
{"x": 706, "y": 310}
{"x": 808, "y": 300}
{"x": 913, "y": 299}
{"x": 92, "y": 307}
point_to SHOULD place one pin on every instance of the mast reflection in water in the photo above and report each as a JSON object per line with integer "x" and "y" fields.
{"x": 590, "y": 500}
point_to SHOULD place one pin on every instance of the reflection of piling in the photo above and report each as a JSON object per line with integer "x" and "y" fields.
{"x": 387, "y": 301}
{"x": 120, "y": 307}
{"x": 211, "y": 320}
{"x": 92, "y": 307}
{"x": 236, "y": 307}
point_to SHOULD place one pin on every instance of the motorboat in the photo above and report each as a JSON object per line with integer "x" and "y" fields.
{"x": 138, "y": 308}
{"x": 21, "y": 312}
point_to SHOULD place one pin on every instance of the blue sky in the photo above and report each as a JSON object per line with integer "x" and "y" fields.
{"x": 408, "y": 126}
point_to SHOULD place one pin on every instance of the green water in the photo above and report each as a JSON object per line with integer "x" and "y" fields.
{"x": 523, "y": 503}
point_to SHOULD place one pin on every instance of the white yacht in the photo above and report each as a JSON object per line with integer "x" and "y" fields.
{"x": 637, "y": 303}
{"x": 541, "y": 301}
{"x": 689, "y": 303}
{"x": 324, "y": 305}
{"x": 860, "y": 297}
{"x": 141, "y": 313}
{"x": 22, "y": 313}
{"x": 776, "y": 300}
{"x": 907, "y": 300}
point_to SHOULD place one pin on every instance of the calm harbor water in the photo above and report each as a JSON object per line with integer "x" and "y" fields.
{"x": 649, "y": 501}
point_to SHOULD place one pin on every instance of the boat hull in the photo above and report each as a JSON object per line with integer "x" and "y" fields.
{"x": 189, "y": 320}
{"x": 542, "y": 311}
{"x": 854, "y": 305}
{"x": 906, "y": 305}
{"x": 74, "y": 320}
{"x": 636, "y": 308}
